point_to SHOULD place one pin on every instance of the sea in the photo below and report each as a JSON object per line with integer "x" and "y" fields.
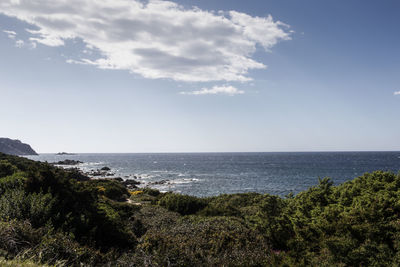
{"x": 211, "y": 174}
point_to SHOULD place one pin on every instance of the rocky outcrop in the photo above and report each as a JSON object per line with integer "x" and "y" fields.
{"x": 101, "y": 173}
{"x": 68, "y": 162}
{"x": 130, "y": 184}
{"x": 15, "y": 147}
{"x": 64, "y": 153}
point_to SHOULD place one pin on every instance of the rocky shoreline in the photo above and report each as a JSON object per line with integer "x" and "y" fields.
{"x": 100, "y": 173}
{"x": 105, "y": 172}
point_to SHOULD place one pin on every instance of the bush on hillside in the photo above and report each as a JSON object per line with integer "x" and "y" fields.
{"x": 182, "y": 204}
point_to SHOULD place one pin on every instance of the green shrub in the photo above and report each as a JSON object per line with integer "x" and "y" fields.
{"x": 151, "y": 192}
{"x": 44, "y": 194}
{"x": 6, "y": 168}
{"x": 238, "y": 205}
{"x": 55, "y": 247}
{"x": 205, "y": 242}
{"x": 17, "y": 236}
{"x": 182, "y": 204}
{"x": 110, "y": 188}
{"x": 35, "y": 207}
{"x": 15, "y": 181}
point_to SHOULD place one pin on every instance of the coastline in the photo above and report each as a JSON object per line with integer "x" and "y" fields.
{"x": 212, "y": 174}
{"x": 346, "y": 224}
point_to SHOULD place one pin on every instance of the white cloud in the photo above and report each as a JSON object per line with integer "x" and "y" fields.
{"x": 397, "y": 93}
{"x": 216, "y": 90}
{"x": 45, "y": 38}
{"x": 19, "y": 43}
{"x": 156, "y": 39}
{"x": 10, "y": 34}
{"x": 33, "y": 45}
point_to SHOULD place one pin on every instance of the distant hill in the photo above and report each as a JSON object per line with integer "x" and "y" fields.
{"x": 15, "y": 147}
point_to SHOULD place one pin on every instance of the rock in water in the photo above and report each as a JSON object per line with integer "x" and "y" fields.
{"x": 15, "y": 147}
{"x": 67, "y": 162}
{"x": 64, "y": 153}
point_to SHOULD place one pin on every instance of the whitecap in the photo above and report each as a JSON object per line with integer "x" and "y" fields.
{"x": 144, "y": 176}
{"x": 183, "y": 181}
{"x": 160, "y": 171}
{"x": 88, "y": 164}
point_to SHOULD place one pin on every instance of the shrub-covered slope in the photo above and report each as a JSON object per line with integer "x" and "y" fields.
{"x": 52, "y": 216}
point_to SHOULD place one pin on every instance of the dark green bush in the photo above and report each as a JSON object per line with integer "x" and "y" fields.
{"x": 12, "y": 182}
{"x": 151, "y": 192}
{"x": 56, "y": 246}
{"x": 182, "y": 204}
{"x": 6, "y": 168}
{"x": 110, "y": 188}
{"x": 205, "y": 242}
{"x": 44, "y": 194}
{"x": 238, "y": 205}
{"x": 35, "y": 207}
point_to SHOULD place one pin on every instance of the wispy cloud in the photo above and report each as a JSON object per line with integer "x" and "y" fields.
{"x": 19, "y": 43}
{"x": 155, "y": 39}
{"x": 397, "y": 93}
{"x": 216, "y": 90}
{"x": 10, "y": 34}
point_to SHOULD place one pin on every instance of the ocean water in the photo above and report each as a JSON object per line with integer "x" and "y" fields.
{"x": 210, "y": 174}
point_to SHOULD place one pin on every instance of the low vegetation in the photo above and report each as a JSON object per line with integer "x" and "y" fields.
{"x": 53, "y": 217}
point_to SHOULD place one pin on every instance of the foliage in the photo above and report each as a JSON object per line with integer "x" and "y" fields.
{"x": 151, "y": 192}
{"x": 19, "y": 263}
{"x": 111, "y": 189}
{"x": 6, "y": 168}
{"x": 52, "y": 216}
{"x": 182, "y": 204}
{"x": 213, "y": 241}
{"x": 45, "y": 195}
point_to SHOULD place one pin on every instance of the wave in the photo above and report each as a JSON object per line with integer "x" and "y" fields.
{"x": 184, "y": 181}
{"x": 88, "y": 164}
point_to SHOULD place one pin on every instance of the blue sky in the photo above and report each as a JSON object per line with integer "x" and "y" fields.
{"x": 323, "y": 78}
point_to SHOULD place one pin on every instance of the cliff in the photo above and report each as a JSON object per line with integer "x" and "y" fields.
{"x": 15, "y": 147}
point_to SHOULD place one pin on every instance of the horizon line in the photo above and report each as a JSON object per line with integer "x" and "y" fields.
{"x": 222, "y": 152}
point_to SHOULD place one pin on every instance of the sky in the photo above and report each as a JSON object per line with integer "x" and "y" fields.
{"x": 122, "y": 76}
